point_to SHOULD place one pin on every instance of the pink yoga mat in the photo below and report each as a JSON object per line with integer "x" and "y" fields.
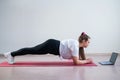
{"x": 43, "y": 64}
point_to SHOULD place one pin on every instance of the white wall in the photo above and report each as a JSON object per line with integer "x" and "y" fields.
{"x": 25, "y": 23}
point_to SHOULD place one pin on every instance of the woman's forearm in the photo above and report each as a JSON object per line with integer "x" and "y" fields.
{"x": 81, "y": 62}
{"x": 76, "y": 61}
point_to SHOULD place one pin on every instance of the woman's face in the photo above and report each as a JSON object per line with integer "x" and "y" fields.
{"x": 85, "y": 43}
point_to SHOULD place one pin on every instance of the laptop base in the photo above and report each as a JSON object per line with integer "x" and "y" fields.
{"x": 106, "y": 63}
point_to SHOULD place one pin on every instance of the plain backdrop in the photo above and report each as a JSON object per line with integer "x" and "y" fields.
{"x": 26, "y": 23}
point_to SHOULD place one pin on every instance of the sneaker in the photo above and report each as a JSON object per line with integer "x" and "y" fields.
{"x": 9, "y": 58}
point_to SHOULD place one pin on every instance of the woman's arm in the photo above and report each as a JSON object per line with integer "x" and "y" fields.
{"x": 76, "y": 61}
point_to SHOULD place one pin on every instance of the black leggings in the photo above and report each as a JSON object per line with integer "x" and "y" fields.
{"x": 50, "y": 46}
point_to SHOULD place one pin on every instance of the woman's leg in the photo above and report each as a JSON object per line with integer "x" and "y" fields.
{"x": 24, "y": 51}
{"x": 50, "y": 46}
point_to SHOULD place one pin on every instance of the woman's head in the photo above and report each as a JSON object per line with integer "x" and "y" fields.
{"x": 84, "y": 40}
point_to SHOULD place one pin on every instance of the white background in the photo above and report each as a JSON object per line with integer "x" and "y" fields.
{"x": 26, "y": 23}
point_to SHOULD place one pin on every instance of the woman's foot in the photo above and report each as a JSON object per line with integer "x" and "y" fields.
{"x": 9, "y": 57}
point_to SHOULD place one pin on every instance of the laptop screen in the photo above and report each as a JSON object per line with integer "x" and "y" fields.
{"x": 113, "y": 57}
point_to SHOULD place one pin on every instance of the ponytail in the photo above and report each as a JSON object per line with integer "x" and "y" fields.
{"x": 82, "y": 37}
{"x": 81, "y": 54}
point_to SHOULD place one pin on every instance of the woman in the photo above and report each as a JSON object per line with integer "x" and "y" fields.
{"x": 67, "y": 49}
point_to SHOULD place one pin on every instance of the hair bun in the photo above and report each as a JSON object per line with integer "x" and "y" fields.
{"x": 83, "y": 33}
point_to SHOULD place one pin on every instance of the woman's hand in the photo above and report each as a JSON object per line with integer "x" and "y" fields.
{"x": 89, "y": 60}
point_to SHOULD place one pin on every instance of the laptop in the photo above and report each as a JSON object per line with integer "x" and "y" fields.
{"x": 111, "y": 61}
